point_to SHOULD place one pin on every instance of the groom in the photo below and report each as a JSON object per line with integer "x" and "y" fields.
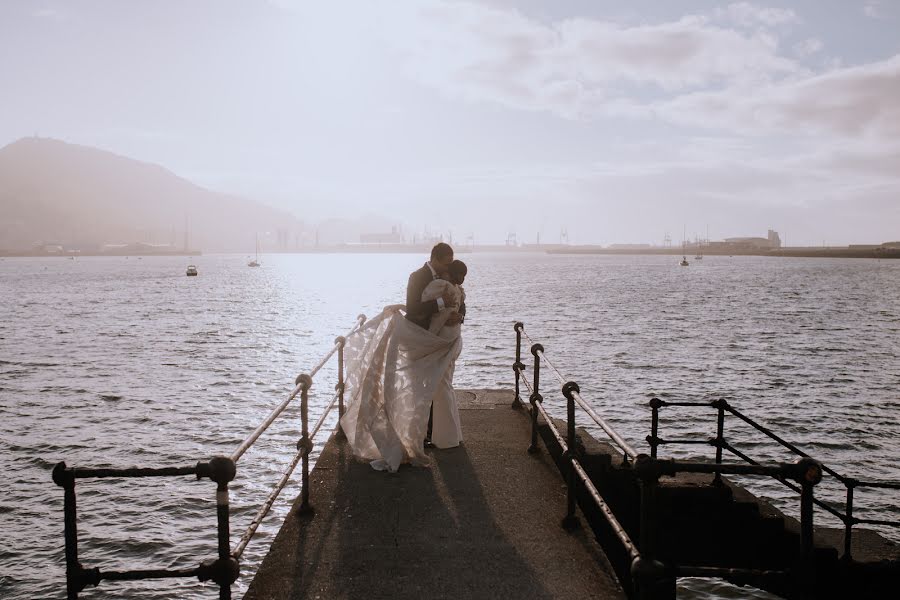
{"x": 420, "y": 312}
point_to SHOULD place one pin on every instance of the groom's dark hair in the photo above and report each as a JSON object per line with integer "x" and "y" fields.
{"x": 441, "y": 251}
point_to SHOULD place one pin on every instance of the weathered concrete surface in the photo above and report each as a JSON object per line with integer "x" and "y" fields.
{"x": 482, "y": 522}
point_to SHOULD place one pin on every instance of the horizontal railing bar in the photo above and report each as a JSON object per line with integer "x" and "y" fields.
{"x": 617, "y": 528}
{"x": 607, "y": 511}
{"x": 273, "y": 495}
{"x": 324, "y": 361}
{"x": 527, "y": 384}
{"x": 696, "y": 404}
{"x": 781, "y": 441}
{"x": 738, "y": 453}
{"x": 886, "y": 485}
{"x": 354, "y": 330}
{"x": 559, "y": 438}
{"x": 589, "y": 485}
{"x": 321, "y": 420}
{"x": 692, "y": 571}
{"x": 792, "y": 486}
{"x": 266, "y": 506}
{"x": 675, "y": 466}
{"x": 245, "y": 445}
{"x": 613, "y": 435}
{"x": 148, "y": 574}
{"x": 697, "y": 442}
{"x": 82, "y": 473}
{"x": 877, "y": 522}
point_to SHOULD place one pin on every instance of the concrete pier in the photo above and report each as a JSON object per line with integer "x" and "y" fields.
{"x": 482, "y": 522}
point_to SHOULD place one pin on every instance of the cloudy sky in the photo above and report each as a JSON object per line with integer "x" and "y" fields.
{"x": 618, "y": 121}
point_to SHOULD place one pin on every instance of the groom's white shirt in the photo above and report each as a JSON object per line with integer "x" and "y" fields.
{"x": 440, "y": 301}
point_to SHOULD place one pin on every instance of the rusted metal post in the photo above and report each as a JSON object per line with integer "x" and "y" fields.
{"x": 649, "y": 574}
{"x": 518, "y": 367}
{"x": 225, "y": 570}
{"x": 535, "y": 398}
{"x": 808, "y": 475}
{"x": 653, "y": 438}
{"x": 720, "y": 435}
{"x": 341, "y": 342}
{"x": 570, "y": 521}
{"x": 848, "y": 520}
{"x": 66, "y": 480}
{"x": 304, "y": 444}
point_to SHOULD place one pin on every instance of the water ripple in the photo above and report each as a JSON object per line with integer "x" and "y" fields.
{"x": 114, "y": 362}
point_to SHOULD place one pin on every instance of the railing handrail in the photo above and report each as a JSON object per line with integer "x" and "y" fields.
{"x": 222, "y": 469}
{"x": 843, "y": 479}
{"x": 644, "y": 566}
{"x": 256, "y": 433}
{"x": 850, "y": 484}
{"x": 624, "y": 446}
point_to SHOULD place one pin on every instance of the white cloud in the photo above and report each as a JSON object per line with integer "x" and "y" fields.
{"x": 48, "y": 13}
{"x": 747, "y": 14}
{"x": 872, "y": 9}
{"x": 855, "y": 101}
{"x": 580, "y": 67}
{"x": 808, "y": 47}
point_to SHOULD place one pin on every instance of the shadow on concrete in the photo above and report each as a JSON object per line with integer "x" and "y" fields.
{"x": 481, "y": 522}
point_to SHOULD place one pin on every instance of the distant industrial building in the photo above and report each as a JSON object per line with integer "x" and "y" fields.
{"x": 771, "y": 242}
{"x": 394, "y": 237}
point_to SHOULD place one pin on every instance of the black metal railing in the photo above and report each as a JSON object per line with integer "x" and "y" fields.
{"x": 646, "y": 569}
{"x": 722, "y": 407}
{"x": 225, "y": 568}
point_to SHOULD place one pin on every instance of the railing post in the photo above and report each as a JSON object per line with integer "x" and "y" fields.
{"x": 226, "y": 569}
{"x": 848, "y": 520}
{"x": 518, "y": 367}
{"x": 535, "y": 398}
{"x": 648, "y": 573}
{"x": 808, "y": 474}
{"x": 720, "y": 435}
{"x": 66, "y": 480}
{"x": 653, "y": 438}
{"x": 570, "y": 521}
{"x": 341, "y": 341}
{"x": 304, "y": 444}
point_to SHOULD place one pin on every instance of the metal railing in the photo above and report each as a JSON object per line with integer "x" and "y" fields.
{"x": 721, "y": 443}
{"x": 225, "y": 568}
{"x": 646, "y": 569}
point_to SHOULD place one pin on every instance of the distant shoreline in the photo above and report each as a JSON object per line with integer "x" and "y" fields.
{"x": 93, "y": 254}
{"x": 877, "y": 252}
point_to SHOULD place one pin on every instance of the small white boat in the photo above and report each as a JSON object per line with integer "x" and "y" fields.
{"x": 684, "y": 262}
{"x": 191, "y": 271}
{"x": 255, "y": 261}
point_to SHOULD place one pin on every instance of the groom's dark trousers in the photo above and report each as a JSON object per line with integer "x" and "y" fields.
{"x": 420, "y": 312}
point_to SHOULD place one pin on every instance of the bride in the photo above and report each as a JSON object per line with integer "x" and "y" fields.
{"x": 396, "y": 370}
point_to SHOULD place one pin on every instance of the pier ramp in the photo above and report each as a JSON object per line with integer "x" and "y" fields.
{"x": 482, "y": 522}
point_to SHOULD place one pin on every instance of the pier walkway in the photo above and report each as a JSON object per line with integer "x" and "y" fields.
{"x": 482, "y": 522}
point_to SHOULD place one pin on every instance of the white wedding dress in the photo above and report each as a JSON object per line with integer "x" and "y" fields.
{"x": 395, "y": 371}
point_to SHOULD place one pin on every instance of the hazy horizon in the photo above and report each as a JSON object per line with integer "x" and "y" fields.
{"x": 617, "y": 123}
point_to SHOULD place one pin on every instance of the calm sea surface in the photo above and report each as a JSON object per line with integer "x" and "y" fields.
{"x": 125, "y": 361}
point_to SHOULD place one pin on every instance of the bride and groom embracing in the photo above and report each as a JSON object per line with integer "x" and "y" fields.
{"x": 400, "y": 370}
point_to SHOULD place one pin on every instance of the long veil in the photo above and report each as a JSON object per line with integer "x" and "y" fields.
{"x": 394, "y": 370}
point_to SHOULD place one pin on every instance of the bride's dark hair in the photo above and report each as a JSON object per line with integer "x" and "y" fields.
{"x": 457, "y": 270}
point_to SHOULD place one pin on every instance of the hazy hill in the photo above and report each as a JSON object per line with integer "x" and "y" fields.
{"x": 77, "y": 195}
